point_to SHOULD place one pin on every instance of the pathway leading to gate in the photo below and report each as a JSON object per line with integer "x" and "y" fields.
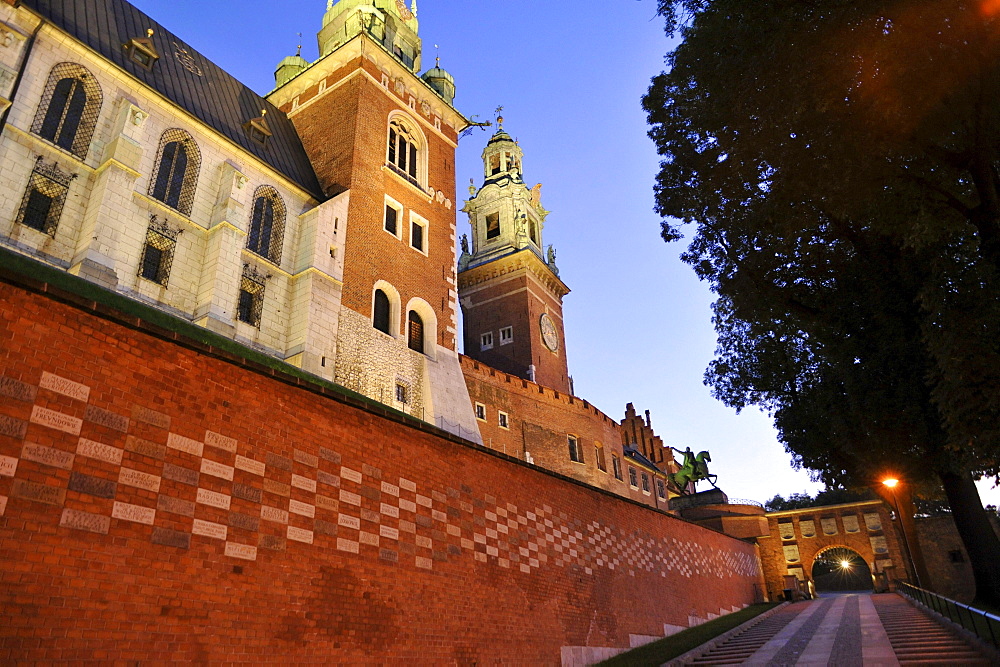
{"x": 846, "y": 630}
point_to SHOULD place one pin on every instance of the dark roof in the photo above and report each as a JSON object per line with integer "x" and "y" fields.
{"x": 214, "y": 96}
{"x": 631, "y": 451}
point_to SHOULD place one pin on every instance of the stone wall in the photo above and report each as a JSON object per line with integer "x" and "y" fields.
{"x": 158, "y": 498}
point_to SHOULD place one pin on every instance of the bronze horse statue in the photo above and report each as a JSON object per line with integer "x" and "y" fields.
{"x": 693, "y": 469}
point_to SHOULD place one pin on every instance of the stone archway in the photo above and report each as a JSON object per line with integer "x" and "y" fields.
{"x": 839, "y": 568}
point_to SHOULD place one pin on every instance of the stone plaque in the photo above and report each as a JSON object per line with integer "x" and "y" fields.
{"x": 8, "y": 466}
{"x": 787, "y": 530}
{"x": 851, "y": 523}
{"x": 213, "y": 499}
{"x": 171, "y": 538}
{"x": 329, "y": 455}
{"x": 274, "y": 514}
{"x": 873, "y": 521}
{"x": 303, "y": 509}
{"x": 320, "y": 526}
{"x": 246, "y": 492}
{"x": 249, "y": 465}
{"x": 350, "y": 475}
{"x": 17, "y": 390}
{"x": 145, "y": 448}
{"x": 327, "y": 478}
{"x": 791, "y": 553}
{"x": 371, "y": 471}
{"x": 407, "y": 526}
{"x": 391, "y": 489}
{"x": 77, "y": 520}
{"x": 279, "y": 488}
{"x": 442, "y": 498}
{"x": 425, "y": 563}
{"x": 438, "y": 515}
{"x": 410, "y": 486}
{"x": 56, "y": 420}
{"x": 368, "y": 538}
{"x": 130, "y": 477}
{"x": 300, "y": 535}
{"x": 279, "y": 462}
{"x": 349, "y": 521}
{"x": 388, "y": 532}
{"x": 371, "y": 493}
{"x": 136, "y": 513}
{"x": 92, "y": 486}
{"x": 208, "y": 529}
{"x": 389, "y": 510}
{"x": 272, "y": 542}
{"x": 372, "y": 517}
{"x": 807, "y": 527}
{"x": 306, "y": 459}
{"x": 424, "y": 542}
{"x": 175, "y": 505}
{"x": 151, "y": 417}
{"x": 424, "y": 500}
{"x": 106, "y": 418}
{"x": 12, "y": 427}
{"x": 179, "y": 442}
{"x": 879, "y": 544}
{"x": 327, "y": 503}
{"x": 304, "y": 483}
{"x": 388, "y": 555}
{"x": 219, "y": 441}
{"x": 3, "y": 504}
{"x": 244, "y": 521}
{"x": 407, "y": 505}
{"x": 349, "y": 498}
{"x": 61, "y": 385}
{"x": 179, "y": 474}
{"x": 244, "y": 551}
{"x": 829, "y": 525}
{"x": 216, "y": 469}
{"x": 99, "y": 451}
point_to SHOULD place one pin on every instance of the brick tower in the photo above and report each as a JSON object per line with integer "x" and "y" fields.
{"x": 375, "y": 129}
{"x": 509, "y": 288}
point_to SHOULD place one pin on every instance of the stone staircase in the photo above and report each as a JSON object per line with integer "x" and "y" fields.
{"x": 738, "y": 648}
{"x": 917, "y": 638}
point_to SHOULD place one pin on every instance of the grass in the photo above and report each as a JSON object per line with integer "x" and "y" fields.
{"x": 668, "y": 648}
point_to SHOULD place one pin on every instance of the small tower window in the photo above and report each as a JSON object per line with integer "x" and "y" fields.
{"x": 492, "y": 226}
{"x": 661, "y": 490}
{"x": 393, "y": 216}
{"x": 506, "y": 335}
{"x": 486, "y": 341}
{"x": 575, "y": 453}
{"x": 633, "y": 480}
{"x": 503, "y": 419}
{"x": 602, "y": 463}
{"x": 418, "y": 233}
{"x": 403, "y": 150}
{"x": 494, "y": 164}
{"x": 616, "y": 466}
{"x": 382, "y": 309}
{"x": 645, "y": 483}
{"x": 415, "y": 337}
{"x": 480, "y": 412}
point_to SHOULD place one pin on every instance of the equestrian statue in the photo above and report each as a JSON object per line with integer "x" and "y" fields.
{"x": 693, "y": 469}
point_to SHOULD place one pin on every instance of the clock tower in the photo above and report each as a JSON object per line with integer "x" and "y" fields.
{"x": 508, "y": 283}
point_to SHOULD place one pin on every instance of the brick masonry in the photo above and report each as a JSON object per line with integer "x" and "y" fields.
{"x": 237, "y": 516}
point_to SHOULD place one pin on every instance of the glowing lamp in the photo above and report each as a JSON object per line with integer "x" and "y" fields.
{"x": 891, "y": 482}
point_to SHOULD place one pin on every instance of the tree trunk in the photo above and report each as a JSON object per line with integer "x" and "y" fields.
{"x": 980, "y": 542}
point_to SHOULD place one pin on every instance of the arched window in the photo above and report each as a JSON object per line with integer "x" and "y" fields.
{"x": 69, "y": 108}
{"x": 178, "y": 161}
{"x": 382, "y": 311}
{"x": 403, "y": 154}
{"x": 415, "y": 333}
{"x": 267, "y": 224}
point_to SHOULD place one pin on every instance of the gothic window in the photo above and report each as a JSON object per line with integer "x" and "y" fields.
{"x": 575, "y": 452}
{"x": 178, "y": 161}
{"x": 492, "y": 226}
{"x": 44, "y": 197}
{"x": 67, "y": 114}
{"x": 267, "y": 224}
{"x": 415, "y": 338}
{"x": 251, "y": 299}
{"x": 157, "y": 253}
{"x": 403, "y": 153}
{"x": 382, "y": 311}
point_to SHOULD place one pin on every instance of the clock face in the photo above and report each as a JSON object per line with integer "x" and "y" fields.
{"x": 550, "y": 335}
{"x": 404, "y": 11}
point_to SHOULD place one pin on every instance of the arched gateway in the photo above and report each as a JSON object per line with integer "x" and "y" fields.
{"x": 839, "y": 568}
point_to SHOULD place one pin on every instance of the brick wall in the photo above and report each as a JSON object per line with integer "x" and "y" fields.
{"x": 158, "y": 501}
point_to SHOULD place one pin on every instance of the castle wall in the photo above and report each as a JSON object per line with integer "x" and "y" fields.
{"x": 157, "y": 500}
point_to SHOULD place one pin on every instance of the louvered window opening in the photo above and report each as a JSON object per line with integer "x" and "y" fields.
{"x": 42, "y": 204}
{"x": 267, "y": 224}
{"x": 251, "y": 301}
{"x": 69, "y": 108}
{"x": 177, "y": 164}
{"x": 157, "y": 257}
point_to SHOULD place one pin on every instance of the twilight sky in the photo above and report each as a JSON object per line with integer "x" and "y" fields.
{"x": 570, "y": 77}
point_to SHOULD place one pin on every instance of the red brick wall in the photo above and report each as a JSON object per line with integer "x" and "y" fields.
{"x": 160, "y": 502}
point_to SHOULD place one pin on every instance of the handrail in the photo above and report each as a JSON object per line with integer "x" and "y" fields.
{"x": 984, "y": 625}
{"x": 745, "y": 501}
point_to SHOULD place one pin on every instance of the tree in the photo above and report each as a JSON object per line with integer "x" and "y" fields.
{"x": 839, "y": 159}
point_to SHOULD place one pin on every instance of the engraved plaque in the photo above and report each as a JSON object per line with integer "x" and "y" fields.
{"x": 304, "y": 509}
{"x": 879, "y": 544}
{"x": 327, "y": 478}
{"x": 371, "y": 471}
{"x": 99, "y": 451}
{"x": 851, "y": 523}
{"x": 389, "y": 510}
{"x": 438, "y": 515}
{"x": 368, "y": 538}
{"x": 279, "y": 462}
{"x": 351, "y": 475}
{"x": 873, "y": 521}
{"x": 237, "y": 520}
{"x": 425, "y": 563}
{"x": 179, "y": 442}
{"x": 56, "y": 420}
{"x": 829, "y": 525}
{"x": 388, "y": 532}
{"x": 273, "y": 542}
{"x": 407, "y": 526}
{"x": 424, "y": 542}
{"x": 244, "y": 551}
{"x": 3, "y": 504}
{"x": 175, "y": 505}
{"x": 327, "y": 503}
{"x": 306, "y": 459}
{"x": 274, "y": 514}
{"x": 407, "y": 505}
{"x": 135, "y": 513}
{"x": 300, "y": 535}
{"x": 17, "y": 390}
{"x": 208, "y": 529}
{"x": 246, "y": 492}
{"x": 213, "y": 499}
{"x": 216, "y": 469}
{"x": 94, "y": 523}
{"x": 408, "y": 485}
{"x": 438, "y": 496}
{"x": 349, "y": 521}
{"x": 388, "y": 555}
{"x": 368, "y": 515}
{"x": 807, "y": 527}
{"x": 106, "y": 418}
{"x": 370, "y": 493}
{"x": 329, "y": 455}
{"x": 92, "y": 486}
{"x": 219, "y": 441}
{"x": 391, "y": 489}
{"x": 151, "y": 417}
{"x": 791, "y": 553}
{"x": 8, "y": 466}
{"x": 349, "y": 498}
{"x": 179, "y": 474}
{"x": 13, "y": 428}
{"x": 171, "y": 538}
{"x": 130, "y": 477}
{"x": 320, "y": 526}
{"x": 280, "y": 488}
{"x": 304, "y": 483}
{"x": 423, "y": 500}
{"x": 61, "y": 385}
{"x": 145, "y": 448}
{"x": 249, "y": 465}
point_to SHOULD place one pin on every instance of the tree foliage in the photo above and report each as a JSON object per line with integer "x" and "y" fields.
{"x": 839, "y": 160}
{"x": 797, "y": 501}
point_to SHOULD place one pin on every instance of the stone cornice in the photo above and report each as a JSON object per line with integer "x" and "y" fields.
{"x": 522, "y": 260}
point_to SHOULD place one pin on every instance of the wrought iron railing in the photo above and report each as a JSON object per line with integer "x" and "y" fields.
{"x": 744, "y": 501}
{"x": 984, "y": 625}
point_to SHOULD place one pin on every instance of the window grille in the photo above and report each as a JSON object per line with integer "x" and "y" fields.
{"x": 158, "y": 252}
{"x": 178, "y": 162}
{"x": 381, "y": 317}
{"x": 416, "y": 333}
{"x": 44, "y": 197}
{"x": 403, "y": 151}
{"x": 68, "y": 111}
{"x": 267, "y": 224}
{"x": 401, "y": 396}
{"x": 251, "y": 300}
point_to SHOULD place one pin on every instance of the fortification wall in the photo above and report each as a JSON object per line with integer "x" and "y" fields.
{"x": 161, "y": 499}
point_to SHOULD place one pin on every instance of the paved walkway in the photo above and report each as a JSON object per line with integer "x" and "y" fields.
{"x": 846, "y": 630}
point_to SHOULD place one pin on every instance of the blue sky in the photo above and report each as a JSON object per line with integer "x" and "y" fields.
{"x": 570, "y": 77}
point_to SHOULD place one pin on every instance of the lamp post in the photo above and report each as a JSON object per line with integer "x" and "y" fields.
{"x": 891, "y": 483}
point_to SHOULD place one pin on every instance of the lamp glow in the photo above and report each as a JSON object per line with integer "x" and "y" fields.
{"x": 891, "y": 482}
{"x": 845, "y": 565}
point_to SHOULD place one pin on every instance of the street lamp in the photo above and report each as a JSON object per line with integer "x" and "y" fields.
{"x": 891, "y": 483}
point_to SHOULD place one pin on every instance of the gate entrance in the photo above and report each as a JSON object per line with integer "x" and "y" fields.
{"x": 841, "y": 569}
